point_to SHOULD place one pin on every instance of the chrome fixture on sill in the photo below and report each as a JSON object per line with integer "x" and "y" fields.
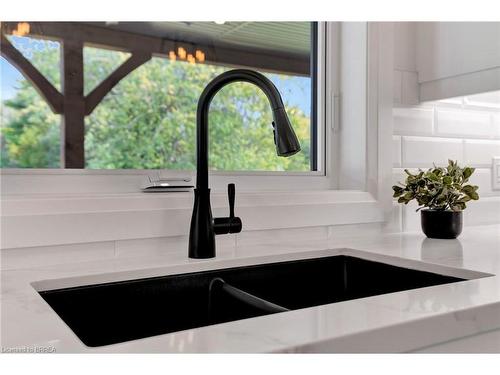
{"x": 203, "y": 227}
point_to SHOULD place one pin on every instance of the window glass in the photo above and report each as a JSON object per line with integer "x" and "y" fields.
{"x": 30, "y": 133}
{"x": 156, "y": 124}
{"x": 148, "y": 119}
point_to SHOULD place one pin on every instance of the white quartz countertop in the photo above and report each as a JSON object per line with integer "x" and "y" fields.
{"x": 397, "y": 322}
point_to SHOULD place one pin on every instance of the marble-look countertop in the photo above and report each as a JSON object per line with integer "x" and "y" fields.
{"x": 396, "y": 322}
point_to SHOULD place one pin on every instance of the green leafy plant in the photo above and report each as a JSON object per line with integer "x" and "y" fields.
{"x": 438, "y": 188}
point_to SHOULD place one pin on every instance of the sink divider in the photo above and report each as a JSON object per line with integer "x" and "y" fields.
{"x": 219, "y": 285}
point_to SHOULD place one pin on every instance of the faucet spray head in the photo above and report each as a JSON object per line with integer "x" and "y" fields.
{"x": 285, "y": 139}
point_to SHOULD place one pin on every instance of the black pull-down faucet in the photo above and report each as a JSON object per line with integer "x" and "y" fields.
{"x": 203, "y": 227}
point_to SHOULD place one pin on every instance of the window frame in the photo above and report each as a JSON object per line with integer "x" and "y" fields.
{"x": 319, "y": 179}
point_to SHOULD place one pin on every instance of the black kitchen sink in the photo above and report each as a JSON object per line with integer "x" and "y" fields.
{"x": 115, "y": 312}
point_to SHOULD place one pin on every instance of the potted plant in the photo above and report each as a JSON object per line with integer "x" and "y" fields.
{"x": 442, "y": 194}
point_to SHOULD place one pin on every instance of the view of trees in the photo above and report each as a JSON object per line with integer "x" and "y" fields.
{"x": 148, "y": 120}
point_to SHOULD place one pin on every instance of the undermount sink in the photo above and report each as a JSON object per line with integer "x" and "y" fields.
{"x": 116, "y": 312}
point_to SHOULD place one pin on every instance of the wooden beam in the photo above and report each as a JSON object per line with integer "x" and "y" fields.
{"x": 96, "y": 95}
{"x": 73, "y": 127}
{"x": 276, "y": 62}
{"x": 51, "y": 95}
{"x": 95, "y": 35}
{"x": 263, "y": 61}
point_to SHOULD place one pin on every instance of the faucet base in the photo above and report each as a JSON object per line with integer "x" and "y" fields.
{"x": 201, "y": 234}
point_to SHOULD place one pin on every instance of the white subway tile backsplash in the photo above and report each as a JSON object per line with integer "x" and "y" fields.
{"x": 486, "y": 100}
{"x": 458, "y": 101}
{"x": 281, "y": 235}
{"x": 398, "y": 176}
{"x": 482, "y": 178}
{"x": 353, "y": 230}
{"x": 481, "y": 212}
{"x": 424, "y": 151}
{"x": 479, "y": 153}
{"x": 413, "y": 121}
{"x": 396, "y": 151}
{"x": 411, "y": 218}
{"x": 150, "y": 246}
{"x": 160, "y": 245}
{"x": 463, "y": 129}
{"x": 472, "y": 124}
{"x": 395, "y": 224}
{"x": 51, "y": 255}
{"x": 495, "y": 175}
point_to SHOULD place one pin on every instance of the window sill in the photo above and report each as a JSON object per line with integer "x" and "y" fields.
{"x": 48, "y": 219}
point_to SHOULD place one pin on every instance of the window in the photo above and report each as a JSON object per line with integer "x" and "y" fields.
{"x": 133, "y": 101}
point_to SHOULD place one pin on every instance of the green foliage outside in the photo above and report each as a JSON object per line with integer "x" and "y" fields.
{"x": 438, "y": 188}
{"x": 148, "y": 121}
{"x": 30, "y": 132}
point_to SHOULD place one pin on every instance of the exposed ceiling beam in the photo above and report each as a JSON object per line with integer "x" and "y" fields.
{"x": 276, "y": 62}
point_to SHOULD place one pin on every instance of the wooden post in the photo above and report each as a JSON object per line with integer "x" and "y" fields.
{"x": 73, "y": 124}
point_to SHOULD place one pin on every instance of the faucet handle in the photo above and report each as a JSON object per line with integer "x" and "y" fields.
{"x": 231, "y": 193}
{"x": 231, "y": 224}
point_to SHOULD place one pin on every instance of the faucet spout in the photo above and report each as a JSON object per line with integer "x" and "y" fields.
{"x": 202, "y": 233}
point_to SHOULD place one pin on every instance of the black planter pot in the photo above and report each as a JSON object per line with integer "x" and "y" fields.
{"x": 441, "y": 224}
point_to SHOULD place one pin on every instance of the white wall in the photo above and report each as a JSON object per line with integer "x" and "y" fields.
{"x": 466, "y": 129}
{"x": 241, "y": 243}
